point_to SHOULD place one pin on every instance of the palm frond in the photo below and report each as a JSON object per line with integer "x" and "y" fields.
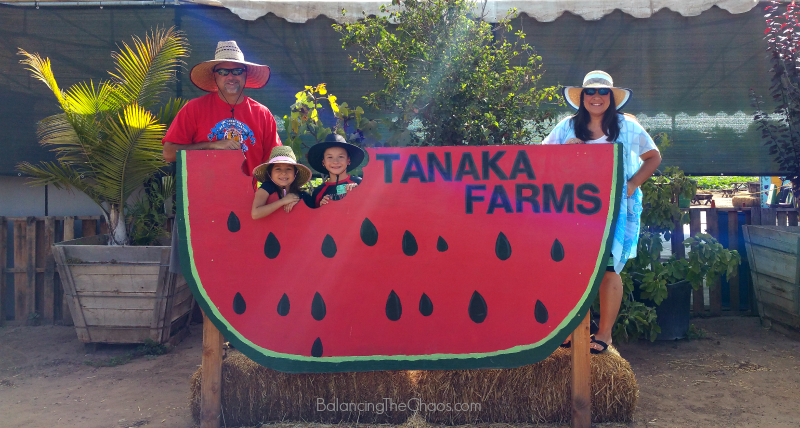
{"x": 40, "y": 69}
{"x": 170, "y": 109}
{"x": 144, "y": 69}
{"x": 59, "y": 175}
{"x": 132, "y": 152}
{"x": 88, "y": 99}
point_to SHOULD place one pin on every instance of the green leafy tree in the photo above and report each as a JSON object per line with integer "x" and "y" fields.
{"x": 107, "y": 140}
{"x": 465, "y": 80}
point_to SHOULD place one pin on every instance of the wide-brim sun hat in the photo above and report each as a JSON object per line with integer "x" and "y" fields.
{"x": 597, "y": 79}
{"x": 317, "y": 153}
{"x": 202, "y": 75}
{"x": 284, "y": 155}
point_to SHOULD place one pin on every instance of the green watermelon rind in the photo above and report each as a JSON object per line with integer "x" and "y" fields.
{"x": 290, "y": 363}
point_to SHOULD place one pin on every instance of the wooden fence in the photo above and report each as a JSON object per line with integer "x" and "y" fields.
{"x": 37, "y": 297}
{"x": 735, "y": 297}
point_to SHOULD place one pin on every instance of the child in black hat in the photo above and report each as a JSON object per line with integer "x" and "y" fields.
{"x": 334, "y": 157}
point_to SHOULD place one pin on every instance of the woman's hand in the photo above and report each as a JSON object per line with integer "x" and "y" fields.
{"x": 574, "y": 141}
{"x": 631, "y": 188}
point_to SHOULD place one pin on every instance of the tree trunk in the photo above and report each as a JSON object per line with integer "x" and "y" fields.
{"x": 117, "y": 234}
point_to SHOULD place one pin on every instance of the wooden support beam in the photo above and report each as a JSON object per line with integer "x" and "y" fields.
{"x": 733, "y": 244}
{"x": 715, "y": 289}
{"x": 20, "y": 278}
{"x": 768, "y": 217}
{"x": 792, "y": 218}
{"x": 581, "y": 376}
{"x": 89, "y": 227}
{"x": 783, "y": 218}
{"x": 211, "y": 384}
{"x": 695, "y": 227}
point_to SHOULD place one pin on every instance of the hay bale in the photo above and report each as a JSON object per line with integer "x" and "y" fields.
{"x": 746, "y": 200}
{"x": 538, "y": 393}
{"x": 253, "y": 394}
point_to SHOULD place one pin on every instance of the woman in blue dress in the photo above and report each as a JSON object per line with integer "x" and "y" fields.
{"x": 598, "y": 121}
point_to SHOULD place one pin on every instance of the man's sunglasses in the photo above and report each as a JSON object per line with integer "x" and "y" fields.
{"x": 592, "y": 91}
{"x": 234, "y": 71}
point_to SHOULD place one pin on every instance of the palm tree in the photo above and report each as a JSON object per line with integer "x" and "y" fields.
{"x": 107, "y": 140}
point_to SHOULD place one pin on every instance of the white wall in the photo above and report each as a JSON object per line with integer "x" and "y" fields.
{"x": 18, "y": 199}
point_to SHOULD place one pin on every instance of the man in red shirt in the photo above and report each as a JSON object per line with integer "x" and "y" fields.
{"x": 225, "y": 119}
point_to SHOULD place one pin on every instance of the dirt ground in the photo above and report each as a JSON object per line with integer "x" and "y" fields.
{"x": 739, "y": 375}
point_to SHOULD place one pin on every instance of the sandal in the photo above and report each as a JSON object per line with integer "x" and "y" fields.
{"x": 566, "y": 345}
{"x": 601, "y": 343}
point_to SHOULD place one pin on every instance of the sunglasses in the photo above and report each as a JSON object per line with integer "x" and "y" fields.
{"x": 601, "y": 91}
{"x": 234, "y": 71}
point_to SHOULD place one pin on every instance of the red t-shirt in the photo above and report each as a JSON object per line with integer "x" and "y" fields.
{"x": 208, "y": 118}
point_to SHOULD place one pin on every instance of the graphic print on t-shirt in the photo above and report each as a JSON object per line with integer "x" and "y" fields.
{"x": 234, "y": 130}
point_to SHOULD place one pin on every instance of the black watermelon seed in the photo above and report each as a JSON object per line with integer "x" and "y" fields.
{"x": 540, "y": 312}
{"x": 328, "y": 247}
{"x": 425, "y": 305}
{"x": 502, "y": 248}
{"x": 316, "y": 348}
{"x": 394, "y": 309}
{"x": 318, "y": 310}
{"x": 441, "y": 245}
{"x": 283, "y": 306}
{"x": 239, "y": 305}
{"x": 409, "y": 244}
{"x": 272, "y": 247}
{"x": 557, "y": 251}
{"x": 233, "y": 222}
{"x": 369, "y": 234}
{"x": 477, "y": 308}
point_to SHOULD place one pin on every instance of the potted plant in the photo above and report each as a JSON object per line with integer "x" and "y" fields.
{"x": 656, "y": 302}
{"x": 773, "y": 250}
{"x": 107, "y": 142}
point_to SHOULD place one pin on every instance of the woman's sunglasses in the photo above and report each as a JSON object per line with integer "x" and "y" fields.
{"x": 601, "y": 91}
{"x": 234, "y": 71}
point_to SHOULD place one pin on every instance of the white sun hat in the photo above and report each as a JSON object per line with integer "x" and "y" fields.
{"x": 596, "y": 79}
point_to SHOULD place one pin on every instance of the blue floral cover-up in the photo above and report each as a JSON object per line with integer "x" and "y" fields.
{"x": 635, "y": 142}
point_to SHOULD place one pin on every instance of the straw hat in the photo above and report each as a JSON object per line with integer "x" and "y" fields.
{"x": 202, "y": 74}
{"x": 317, "y": 152}
{"x": 596, "y": 79}
{"x": 282, "y": 154}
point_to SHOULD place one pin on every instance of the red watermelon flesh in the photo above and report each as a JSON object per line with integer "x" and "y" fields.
{"x": 398, "y": 274}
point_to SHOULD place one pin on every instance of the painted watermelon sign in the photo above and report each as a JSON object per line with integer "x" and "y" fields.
{"x": 443, "y": 258}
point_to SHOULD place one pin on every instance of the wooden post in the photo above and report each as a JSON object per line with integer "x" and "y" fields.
{"x": 755, "y": 216}
{"x": 89, "y": 227}
{"x": 714, "y": 289}
{"x": 783, "y": 218}
{"x": 3, "y": 255}
{"x": 30, "y": 274}
{"x": 49, "y": 294}
{"x": 792, "y": 218}
{"x": 676, "y": 240}
{"x": 581, "y": 376}
{"x": 20, "y": 272}
{"x": 69, "y": 234}
{"x": 695, "y": 226}
{"x": 733, "y": 244}
{"x": 211, "y": 384}
{"x": 768, "y": 216}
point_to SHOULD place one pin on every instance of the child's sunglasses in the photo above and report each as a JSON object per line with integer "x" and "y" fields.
{"x": 234, "y": 71}
{"x": 592, "y": 91}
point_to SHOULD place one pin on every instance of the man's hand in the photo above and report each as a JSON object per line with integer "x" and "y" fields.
{"x": 226, "y": 144}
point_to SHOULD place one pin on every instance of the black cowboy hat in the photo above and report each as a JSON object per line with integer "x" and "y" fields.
{"x": 317, "y": 152}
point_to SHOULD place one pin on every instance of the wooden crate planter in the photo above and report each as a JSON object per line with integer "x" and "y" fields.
{"x": 772, "y": 252}
{"x": 122, "y": 294}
